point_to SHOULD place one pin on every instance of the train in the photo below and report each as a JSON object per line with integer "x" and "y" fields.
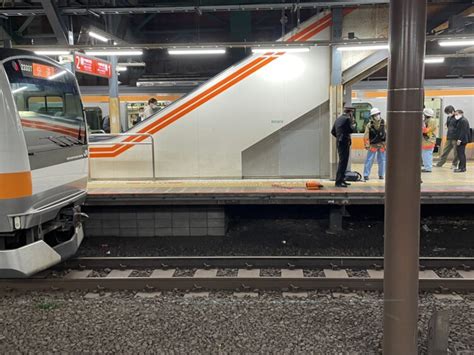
{"x": 43, "y": 163}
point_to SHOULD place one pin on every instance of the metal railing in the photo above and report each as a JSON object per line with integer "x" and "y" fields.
{"x": 113, "y": 135}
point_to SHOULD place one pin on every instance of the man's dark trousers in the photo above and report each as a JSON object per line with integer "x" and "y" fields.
{"x": 461, "y": 149}
{"x": 343, "y": 151}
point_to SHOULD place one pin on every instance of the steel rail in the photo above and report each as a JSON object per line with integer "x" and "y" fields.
{"x": 223, "y": 283}
{"x": 255, "y": 262}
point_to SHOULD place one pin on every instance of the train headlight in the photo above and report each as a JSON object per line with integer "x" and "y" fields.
{"x": 17, "y": 222}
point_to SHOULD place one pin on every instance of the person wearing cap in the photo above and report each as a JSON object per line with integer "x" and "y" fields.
{"x": 463, "y": 137}
{"x": 450, "y": 143}
{"x": 375, "y": 138}
{"x": 342, "y": 129}
{"x": 429, "y": 130}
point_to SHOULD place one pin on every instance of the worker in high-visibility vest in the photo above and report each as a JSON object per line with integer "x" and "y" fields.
{"x": 429, "y": 129}
{"x": 375, "y": 138}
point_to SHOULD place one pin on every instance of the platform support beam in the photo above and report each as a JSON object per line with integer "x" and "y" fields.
{"x": 336, "y": 214}
{"x": 114, "y": 102}
{"x": 402, "y": 189}
{"x": 336, "y": 103}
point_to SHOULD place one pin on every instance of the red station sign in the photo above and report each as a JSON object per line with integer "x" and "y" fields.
{"x": 92, "y": 66}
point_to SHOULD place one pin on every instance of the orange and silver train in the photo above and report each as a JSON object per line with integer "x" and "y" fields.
{"x": 43, "y": 163}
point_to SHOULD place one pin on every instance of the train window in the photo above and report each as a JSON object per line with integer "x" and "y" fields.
{"x": 49, "y": 104}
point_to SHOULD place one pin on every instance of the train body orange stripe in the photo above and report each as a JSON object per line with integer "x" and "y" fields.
{"x": 15, "y": 185}
{"x": 50, "y": 127}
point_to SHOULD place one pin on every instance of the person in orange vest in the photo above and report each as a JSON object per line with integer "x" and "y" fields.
{"x": 375, "y": 138}
{"x": 429, "y": 130}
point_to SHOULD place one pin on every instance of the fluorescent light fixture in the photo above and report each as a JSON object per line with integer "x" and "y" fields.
{"x": 98, "y": 36}
{"x": 20, "y": 89}
{"x": 57, "y": 75}
{"x": 370, "y": 47}
{"x": 120, "y": 68}
{"x": 113, "y": 52}
{"x": 141, "y": 64}
{"x": 434, "y": 60}
{"x": 457, "y": 43}
{"x": 194, "y": 51}
{"x": 287, "y": 50}
{"x": 53, "y": 52}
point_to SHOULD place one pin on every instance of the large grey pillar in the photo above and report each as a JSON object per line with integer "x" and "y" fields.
{"x": 402, "y": 189}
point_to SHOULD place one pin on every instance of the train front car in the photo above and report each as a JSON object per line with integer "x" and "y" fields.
{"x": 43, "y": 163}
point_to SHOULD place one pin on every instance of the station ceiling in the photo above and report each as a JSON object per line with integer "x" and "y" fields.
{"x": 47, "y": 22}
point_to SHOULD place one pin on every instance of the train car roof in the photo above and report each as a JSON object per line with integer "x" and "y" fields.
{"x": 6, "y": 53}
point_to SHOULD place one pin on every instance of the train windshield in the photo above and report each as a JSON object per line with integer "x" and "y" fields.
{"x": 49, "y": 104}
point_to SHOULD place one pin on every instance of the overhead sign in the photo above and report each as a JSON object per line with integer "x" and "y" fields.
{"x": 92, "y": 66}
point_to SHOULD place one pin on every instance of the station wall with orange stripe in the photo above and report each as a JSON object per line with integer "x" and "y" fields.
{"x": 204, "y": 134}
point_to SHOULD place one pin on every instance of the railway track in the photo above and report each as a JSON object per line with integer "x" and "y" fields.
{"x": 239, "y": 273}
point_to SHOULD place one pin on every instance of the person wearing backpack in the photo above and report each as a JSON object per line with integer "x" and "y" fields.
{"x": 375, "y": 138}
{"x": 463, "y": 137}
{"x": 450, "y": 143}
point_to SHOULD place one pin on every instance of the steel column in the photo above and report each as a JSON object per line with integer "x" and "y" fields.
{"x": 402, "y": 189}
{"x": 114, "y": 102}
{"x": 335, "y": 89}
{"x": 55, "y": 21}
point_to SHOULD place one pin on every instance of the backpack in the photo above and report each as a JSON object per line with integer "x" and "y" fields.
{"x": 352, "y": 176}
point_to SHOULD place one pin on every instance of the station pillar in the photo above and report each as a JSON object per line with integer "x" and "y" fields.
{"x": 114, "y": 102}
{"x": 407, "y": 36}
{"x": 336, "y": 99}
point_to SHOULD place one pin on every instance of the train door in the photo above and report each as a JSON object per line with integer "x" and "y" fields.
{"x": 362, "y": 115}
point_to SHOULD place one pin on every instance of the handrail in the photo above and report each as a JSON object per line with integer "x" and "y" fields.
{"x": 113, "y": 135}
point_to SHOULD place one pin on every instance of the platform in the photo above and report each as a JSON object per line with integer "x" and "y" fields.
{"x": 442, "y": 186}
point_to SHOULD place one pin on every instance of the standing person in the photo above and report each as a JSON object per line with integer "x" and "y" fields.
{"x": 429, "y": 139}
{"x": 375, "y": 138}
{"x": 463, "y": 137}
{"x": 450, "y": 143}
{"x": 106, "y": 124}
{"x": 342, "y": 129}
{"x": 151, "y": 108}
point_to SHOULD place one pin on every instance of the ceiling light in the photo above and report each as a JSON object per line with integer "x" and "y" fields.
{"x": 98, "y": 36}
{"x": 434, "y": 60}
{"x": 288, "y": 50}
{"x": 370, "y": 47}
{"x": 132, "y": 64}
{"x": 113, "y": 52}
{"x": 457, "y": 43}
{"x": 194, "y": 51}
{"x": 52, "y": 52}
{"x": 121, "y": 68}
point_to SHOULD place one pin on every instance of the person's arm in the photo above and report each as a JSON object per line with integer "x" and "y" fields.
{"x": 333, "y": 130}
{"x": 462, "y": 129}
{"x": 367, "y": 136}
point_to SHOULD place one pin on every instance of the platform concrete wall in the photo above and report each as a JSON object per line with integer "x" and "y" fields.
{"x": 299, "y": 149}
{"x": 148, "y": 221}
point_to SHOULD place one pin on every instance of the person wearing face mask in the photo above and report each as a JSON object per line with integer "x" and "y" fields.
{"x": 450, "y": 143}
{"x": 151, "y": 108}
{"x": 342, "y": 129}
{"x": 429, "y": 139}
{"x": 463, "y": 133}
{"x": 375, "y": 138}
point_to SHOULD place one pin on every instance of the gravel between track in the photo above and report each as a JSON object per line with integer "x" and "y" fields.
{"x": 221, "y": 323}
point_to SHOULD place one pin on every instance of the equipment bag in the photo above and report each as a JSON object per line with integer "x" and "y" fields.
{"x": 353, "y": 176}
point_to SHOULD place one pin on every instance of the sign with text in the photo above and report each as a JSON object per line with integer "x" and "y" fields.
{"x": 92, "y": 66}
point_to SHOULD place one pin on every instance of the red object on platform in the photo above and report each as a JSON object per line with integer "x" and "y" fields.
{"x": 92, "y": 66}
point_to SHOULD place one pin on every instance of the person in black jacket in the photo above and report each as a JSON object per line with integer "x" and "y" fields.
{"x": 342, "y": 129}
{"x": 450, "y": 143}
{"x": 463, "y": 137}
